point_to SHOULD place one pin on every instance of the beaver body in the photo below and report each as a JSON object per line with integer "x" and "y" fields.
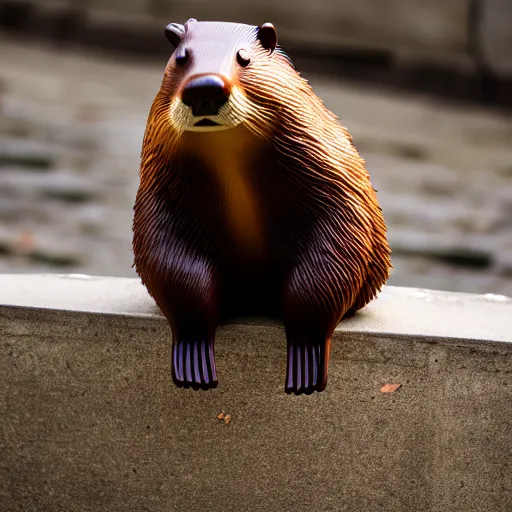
{"x": 252, "y": 201}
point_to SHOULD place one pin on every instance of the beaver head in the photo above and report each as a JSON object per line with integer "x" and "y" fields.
{"x": 210, "y": 83}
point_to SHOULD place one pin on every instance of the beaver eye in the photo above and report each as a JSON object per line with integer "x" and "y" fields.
{"x": 243, "y": 58}
{"x": 182, "y": 57}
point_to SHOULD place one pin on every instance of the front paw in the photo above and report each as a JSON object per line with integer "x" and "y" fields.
{"x": 193, "y": 364}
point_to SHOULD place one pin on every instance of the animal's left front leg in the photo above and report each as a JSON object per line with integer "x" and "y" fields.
{"x": 317, "y": 293}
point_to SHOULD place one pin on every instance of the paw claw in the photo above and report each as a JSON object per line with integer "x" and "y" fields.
{"x": 306, "y": 368}
{"x": 193, "y": 364}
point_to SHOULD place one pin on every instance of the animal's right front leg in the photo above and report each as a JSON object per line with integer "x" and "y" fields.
{"x": 187, "y": 293}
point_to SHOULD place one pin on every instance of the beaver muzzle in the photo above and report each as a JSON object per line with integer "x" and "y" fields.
{"x": 205, "y": 94}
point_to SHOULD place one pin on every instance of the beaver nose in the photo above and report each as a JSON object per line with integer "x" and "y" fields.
{"x": 205, "y": 94}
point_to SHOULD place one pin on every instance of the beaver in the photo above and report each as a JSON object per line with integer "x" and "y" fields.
{"x": 252, "y": 201}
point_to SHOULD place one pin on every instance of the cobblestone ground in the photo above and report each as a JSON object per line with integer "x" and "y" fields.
{"x": 71, "y": 127}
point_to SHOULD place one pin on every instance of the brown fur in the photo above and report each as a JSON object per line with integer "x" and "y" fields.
{"x": 274, "y": 216}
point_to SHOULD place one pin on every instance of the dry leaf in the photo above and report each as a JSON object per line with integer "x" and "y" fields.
{"x": 26, "y": 242}
{"x": 220, "y": 417}
{"x": 389, "y": 388}
{"x": 87, "y": 114}
{"x": 227, "y": 419}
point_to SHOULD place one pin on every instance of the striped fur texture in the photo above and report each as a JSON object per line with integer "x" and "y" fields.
{"x": 269, "y": 212}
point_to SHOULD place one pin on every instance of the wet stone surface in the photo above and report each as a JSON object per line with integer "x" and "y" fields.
{"x": 71, "y": 127}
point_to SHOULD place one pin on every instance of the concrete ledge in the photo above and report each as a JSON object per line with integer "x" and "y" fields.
{"x": 398, "y": 312}
{"x": 90, "y": 419}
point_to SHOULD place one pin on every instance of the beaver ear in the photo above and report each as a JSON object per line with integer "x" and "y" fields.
{"x": 174, "y": 32}
{"x": 267, "y": 36}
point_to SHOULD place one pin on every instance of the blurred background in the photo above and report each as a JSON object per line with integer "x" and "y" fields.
{"x": 424, "y": 86}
